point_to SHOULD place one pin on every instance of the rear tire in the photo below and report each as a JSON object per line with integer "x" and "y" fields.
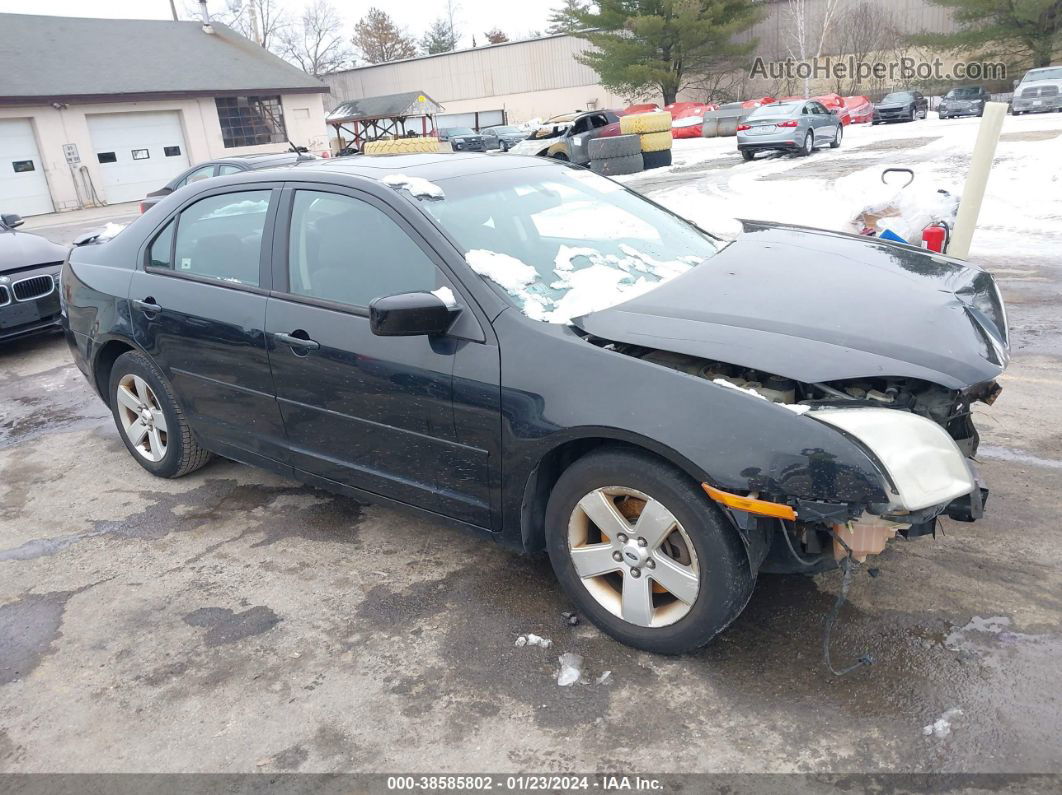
{"x": 748, "y": 154}
{"x": 149, "y": 419}
{"x": 808, "y": 146}
{"x": 836, "y": 142}
{"x": 714, "y": 575}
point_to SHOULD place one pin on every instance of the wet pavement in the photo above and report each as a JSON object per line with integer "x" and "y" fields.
{"x": 234, "y": 621}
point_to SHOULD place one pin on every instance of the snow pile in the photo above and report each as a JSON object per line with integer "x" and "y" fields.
{"x": 417, "y": 186}
{"x": 446, "y": 295}
{"x": 571, "y": 669}
{"x": 110, "y": 230}
{"x": 941, "y": 727}
{"x": 531, "y": 639}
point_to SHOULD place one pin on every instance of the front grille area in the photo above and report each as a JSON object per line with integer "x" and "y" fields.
{"x": 33, "y": 287}
{"x": 1040, "y": 91}
{"x": 5, "y": 295}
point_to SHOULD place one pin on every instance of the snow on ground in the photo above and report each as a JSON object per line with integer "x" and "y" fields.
{"x": 711, "y": 185}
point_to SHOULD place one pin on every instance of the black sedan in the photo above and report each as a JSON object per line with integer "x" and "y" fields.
{"x": 503, "y": 136}
{"x": 963, "y": 101}
{"x": 528, "y": 350}
{"x": 29, "y": 271}
{"x": 901, "y": 106}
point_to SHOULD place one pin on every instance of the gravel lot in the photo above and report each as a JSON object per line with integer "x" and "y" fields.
{"x": 232, "y": 621}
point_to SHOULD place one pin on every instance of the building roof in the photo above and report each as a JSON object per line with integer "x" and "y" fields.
{"x": 47, "y": 58}
{"x": 388, "y": 106}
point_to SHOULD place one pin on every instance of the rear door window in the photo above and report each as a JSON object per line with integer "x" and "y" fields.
{"x": 200, "y": 173}
{"x": 220, "y": 237}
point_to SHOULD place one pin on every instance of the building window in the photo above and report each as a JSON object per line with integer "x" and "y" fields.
{"x": 250, "y": 121}
{"x": 171, "y": 151}
{"x": 141, "y": 154}
{"x": 107, "y": 157}
{"x": 22, "y": 166}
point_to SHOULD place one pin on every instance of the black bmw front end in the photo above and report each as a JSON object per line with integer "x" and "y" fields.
{"x": 29, "y": 281}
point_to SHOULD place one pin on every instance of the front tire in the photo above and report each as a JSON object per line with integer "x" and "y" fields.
{"x": 149, "y": 419}
{"x": 644, "y": 554}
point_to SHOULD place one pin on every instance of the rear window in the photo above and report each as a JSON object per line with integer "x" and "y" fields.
{"x": 776, "y": 109}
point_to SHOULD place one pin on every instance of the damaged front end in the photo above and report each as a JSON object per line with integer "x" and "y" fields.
{"x": 887, "y": 345}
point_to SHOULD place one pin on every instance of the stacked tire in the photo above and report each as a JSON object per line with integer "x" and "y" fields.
{"x": 654, "y": 136}
{"x": 619, "y": 154}
{"x": 402, "y": 146}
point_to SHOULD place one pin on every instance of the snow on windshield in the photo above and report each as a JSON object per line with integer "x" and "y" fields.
{"x": 565, "y": 242}
{"x": 417, "y": 186}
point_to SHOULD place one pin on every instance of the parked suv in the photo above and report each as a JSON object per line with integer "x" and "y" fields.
{"x": 963, "y": 101}
{"x": 901, "y": 106}
{"x": 1040, "y": 91}
{"x": 463, "y": 139}
{"x": 221, "y": 167}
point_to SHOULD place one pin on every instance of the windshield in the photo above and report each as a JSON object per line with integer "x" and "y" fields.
{"x": 776, "y": 109}
{"x": 504, "y": 130}
{"x": 1051, "y": 73}
{"x": 964, "y": 93}
{"x": 899, "y": 96}
{"x": 450, "y": 132}
{"x": 563, "y": 242}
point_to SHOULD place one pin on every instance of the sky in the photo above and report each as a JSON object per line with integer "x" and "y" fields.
{"x": 514, "y": 17}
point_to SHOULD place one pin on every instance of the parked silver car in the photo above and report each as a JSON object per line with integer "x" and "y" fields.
{"x": 797, "y": 126}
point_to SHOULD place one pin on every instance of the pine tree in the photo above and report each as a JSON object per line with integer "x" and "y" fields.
{"x": 646, "y": 45}
{"x": 565, "y": 18}
{"x": 439, "y": 38}
{"x": 1022, "y": 31}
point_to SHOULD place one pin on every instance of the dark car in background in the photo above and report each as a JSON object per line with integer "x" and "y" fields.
{"x": 487, "y": 341}
{"x": 901, "y": 106}
{"x": 222, "y": 167}
{"x": 463, "y": 139}
{"x": 963, "y": 101}
{"x": 29, "y": 272}
{"x": 503, "y": 136}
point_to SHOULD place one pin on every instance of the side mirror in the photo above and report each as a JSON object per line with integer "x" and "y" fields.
{"x": 410, "y": 315}
{"x": 11, "y": 220}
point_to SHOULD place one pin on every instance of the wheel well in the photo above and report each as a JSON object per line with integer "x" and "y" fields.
{"x": 105, "y": 359}
{"x": 545, "y": 475}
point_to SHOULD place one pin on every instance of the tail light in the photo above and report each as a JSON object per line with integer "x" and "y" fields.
{"x": 790, "y": 123}
{"x": 143, "y": 208}
{"x": 743, "y": 127}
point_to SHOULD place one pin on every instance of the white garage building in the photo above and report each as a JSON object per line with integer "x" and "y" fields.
{"x": 96, "y": 111}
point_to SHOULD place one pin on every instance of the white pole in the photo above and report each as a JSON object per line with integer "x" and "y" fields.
{"x": 977, "y": 179}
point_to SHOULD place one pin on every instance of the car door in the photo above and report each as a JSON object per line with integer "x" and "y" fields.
{"x": 586, "y": 128}
{"x": 821, "y": 124}
{"x": 374, "y": 413}
{"x": 197, "y": 305}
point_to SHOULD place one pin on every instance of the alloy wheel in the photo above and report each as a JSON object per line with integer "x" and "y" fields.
{"x": 142, "y": 418}
{"x": 633, "y": 556}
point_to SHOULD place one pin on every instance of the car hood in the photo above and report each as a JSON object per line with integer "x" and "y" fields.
{"x": 817, "y": 306}
{"x": 20, "y": 250}
{"x": 894, "y": 105}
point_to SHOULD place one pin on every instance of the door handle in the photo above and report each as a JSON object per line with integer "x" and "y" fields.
{"x": 148, "y": 306}
{"x": 298, "y": 342}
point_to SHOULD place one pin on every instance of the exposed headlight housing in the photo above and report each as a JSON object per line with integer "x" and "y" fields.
{"x": 922, "y": 461}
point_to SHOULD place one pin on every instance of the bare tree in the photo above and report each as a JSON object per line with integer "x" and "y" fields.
{"x": 314, "y": 43}
{"x": 379, "y": 39}
{"x": 807, "y": 30}
{"x": 261, "y": 21}
{"x": 863, "y": 32}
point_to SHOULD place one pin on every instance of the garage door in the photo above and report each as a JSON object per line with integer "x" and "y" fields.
{"x": 23, "y": 186}
{"x": 137, "y": 152}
